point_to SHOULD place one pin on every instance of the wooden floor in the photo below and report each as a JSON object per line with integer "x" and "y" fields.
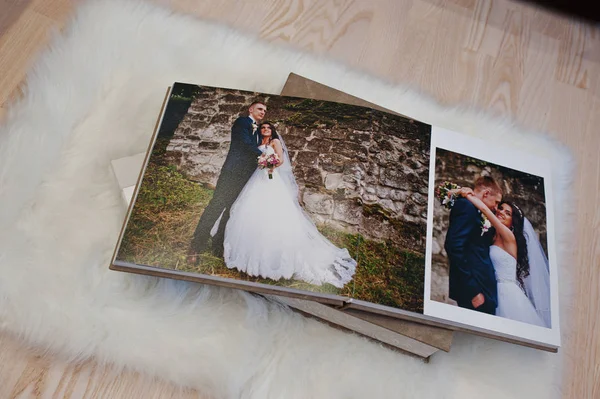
{"x": 515, "y": 60}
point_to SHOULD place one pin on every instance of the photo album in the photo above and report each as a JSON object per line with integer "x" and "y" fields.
{"x": 370, "y": 220}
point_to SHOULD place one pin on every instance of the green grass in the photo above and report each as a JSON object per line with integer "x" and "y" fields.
{"x": 167, "y": 211}
{"x": 163, "y": 219}
{"x": 387, "y": 275}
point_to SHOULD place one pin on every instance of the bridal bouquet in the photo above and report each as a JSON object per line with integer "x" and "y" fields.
{"x": 268, "y": 161}
{"x": 444, "y": 194}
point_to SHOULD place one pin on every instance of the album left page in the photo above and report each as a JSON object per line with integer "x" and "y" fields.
{"x": 270, "y": 194}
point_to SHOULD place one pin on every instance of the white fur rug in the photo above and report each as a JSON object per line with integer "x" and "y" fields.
{"x": 94, "y": 97}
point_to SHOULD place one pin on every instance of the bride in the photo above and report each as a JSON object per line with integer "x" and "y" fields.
{"x": 520, "y": 263}
{"x": 269, "y": 234}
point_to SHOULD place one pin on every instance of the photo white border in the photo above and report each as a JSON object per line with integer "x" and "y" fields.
{"x": 510, "y": 158}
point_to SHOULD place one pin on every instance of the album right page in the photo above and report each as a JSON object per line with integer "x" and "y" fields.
{"x": 490, "y": 260}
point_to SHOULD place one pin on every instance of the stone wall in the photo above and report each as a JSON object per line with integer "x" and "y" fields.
{"x": 526, "y": 191}
{"x": 358, "y": 169}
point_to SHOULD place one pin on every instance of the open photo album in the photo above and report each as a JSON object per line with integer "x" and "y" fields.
{"x": 353, "y": 207}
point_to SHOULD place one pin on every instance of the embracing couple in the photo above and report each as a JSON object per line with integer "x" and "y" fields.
{"x": 255, "y": 219}
{"x": 497, "y": 265}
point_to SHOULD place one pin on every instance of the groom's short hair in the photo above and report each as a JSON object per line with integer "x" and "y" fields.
{"x": 488, "y": 182}
{"x": 257, "y": 102}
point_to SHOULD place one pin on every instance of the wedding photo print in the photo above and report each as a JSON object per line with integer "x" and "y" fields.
{"x": 489, "y": 240}
{"x": 301, "y": 194}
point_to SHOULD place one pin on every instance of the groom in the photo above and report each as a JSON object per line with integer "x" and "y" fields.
{"x": 472, "y": 275}
{"x": 239, "y": 165}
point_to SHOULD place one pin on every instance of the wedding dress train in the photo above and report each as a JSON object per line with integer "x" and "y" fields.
{"x": 512, "y": 302}
{"x": 269, "y": 235}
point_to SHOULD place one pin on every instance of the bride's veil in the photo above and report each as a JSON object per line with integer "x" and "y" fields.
{"x": 537, "y": 284}
{"x": 286, "y": 172}
{"x": 287, "y": 175}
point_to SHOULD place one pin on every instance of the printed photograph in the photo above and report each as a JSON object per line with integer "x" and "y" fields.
{"x": 284, "y": 191}
{"x": 489, "y": 246}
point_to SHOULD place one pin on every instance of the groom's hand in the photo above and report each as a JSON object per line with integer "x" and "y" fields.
{"x": 478, "y": 300}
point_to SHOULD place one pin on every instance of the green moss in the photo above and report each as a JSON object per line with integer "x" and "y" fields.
{"x": 474, "y": 161}
{"x": 306, "y": 119}
{"x": 310, "y": 113}
{"x": 177, "y": 97}
{"x": 376, "y": 210}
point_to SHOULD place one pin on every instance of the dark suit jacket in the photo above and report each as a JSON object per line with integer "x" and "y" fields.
{"x": 243, "y": 150}
{"x": 471, "y": 270}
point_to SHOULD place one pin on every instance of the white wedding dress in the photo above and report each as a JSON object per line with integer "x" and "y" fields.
{"x": 269, "y": 235}
{"x": 512, "y": 301}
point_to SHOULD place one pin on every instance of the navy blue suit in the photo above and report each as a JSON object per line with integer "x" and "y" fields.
{"x": 240, "y": 164}
{"x": 471, "y": 269}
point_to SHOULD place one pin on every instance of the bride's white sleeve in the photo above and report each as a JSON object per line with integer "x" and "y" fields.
{"x": 537, "y": 284}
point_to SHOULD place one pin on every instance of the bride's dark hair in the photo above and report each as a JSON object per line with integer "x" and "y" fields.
{"x": 274, "y": 134}
{"x": 518, "y": 223}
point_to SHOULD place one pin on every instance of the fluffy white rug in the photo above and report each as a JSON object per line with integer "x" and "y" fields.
{"x": 94, "y": 97}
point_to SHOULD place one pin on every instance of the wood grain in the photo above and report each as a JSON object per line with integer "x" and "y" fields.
{"x": 538, "y": 68}
{"x": 572, "y": 68}
{"x": 14, "y": 67}
{"x": 11, "y": 10}
{"x": 507, "y": 67}
{"x": 478, "y": 24}
{"x": 28, "y": 374}
{"x": 23, "y": 36}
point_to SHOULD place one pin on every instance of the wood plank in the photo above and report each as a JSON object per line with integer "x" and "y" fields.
{"x": 535, "y": 93}
{"x": 503, "y": 85}
{"x": 583, "y": 346}
{"x": 57, "y": 10}
{"x": 11, "y": 11}
{"x": 571, "y": 65}
{"x": 25, "y": 373}
{"x": 17, "y": 45}
{"x": 478, "y": 24}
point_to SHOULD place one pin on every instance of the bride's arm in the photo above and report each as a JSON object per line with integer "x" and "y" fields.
{"x": 507, "y": 235}
{"x": 278, "y": 150}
